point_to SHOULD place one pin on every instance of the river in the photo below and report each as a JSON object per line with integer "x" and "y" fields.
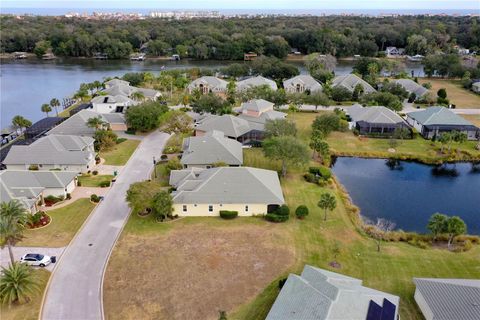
{"x": 27, "y": 84}
{"x": 408, "y": 193}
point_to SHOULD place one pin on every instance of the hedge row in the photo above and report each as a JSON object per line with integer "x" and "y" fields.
{"x": 225, "y": 214}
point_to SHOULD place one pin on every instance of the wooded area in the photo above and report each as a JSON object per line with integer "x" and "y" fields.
{"x": 231, "y": 38}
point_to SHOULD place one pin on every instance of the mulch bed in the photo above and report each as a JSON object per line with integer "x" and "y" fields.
{"x": 44, "y": 221}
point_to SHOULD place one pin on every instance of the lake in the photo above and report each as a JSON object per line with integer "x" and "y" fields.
{"x": 27, "y": 84}
{"x": 409, "y": 193}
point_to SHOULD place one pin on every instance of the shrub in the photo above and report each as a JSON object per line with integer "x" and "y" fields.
{"x": 94, "y": 172}
{"x": 104, "y": 184}
{"x": 301, "y": 212}
{"x": 225, "y": 214}
{"x": 321, "y": 172}
{"x": 173, "y": 164}
{"x": 163, "y": 157}
{"x": 79, "y": 183}
{"x": 94, "y": 198}
{"x": 33, "y": 167}
{"x": 69, "y": 196}
{"x": 283, "y": 210}
{"x": 272, "y": 217}
{"x": 310, "y": 177}
{"x": 130, "y": 131}
{"x": 120, "y": 140}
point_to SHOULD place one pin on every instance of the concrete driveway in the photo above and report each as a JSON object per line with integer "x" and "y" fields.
{"x": 75, "y": 288}
{"x": 18, "y": 252}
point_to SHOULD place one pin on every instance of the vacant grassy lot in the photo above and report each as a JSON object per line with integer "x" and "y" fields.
{"x": 30, "y": 310}
{"x": 65, "y": 223}
{"x": 457, "y": 95}
{"x": 346, "y": 143}
{"x": 192, "y": 268}
{"x": 119, "y": 155}
{"x": 89, "y": 180}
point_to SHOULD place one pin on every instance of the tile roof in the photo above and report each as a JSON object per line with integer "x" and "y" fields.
{"x": 258, "y": 105}
{"x": 213, "y": 82}
{"x": 307, "y": 81}
{"x": 234, "y": 185}
{"x": 77, "y": 124}
{"x": 451, "y": 298}
{"x": 350, "y": 81}
{"x": 412, "y": 86}
{"x": 230, "y": 125}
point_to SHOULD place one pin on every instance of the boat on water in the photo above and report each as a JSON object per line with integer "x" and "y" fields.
{"x": 20, "y": 55}
{"x": 138, "y": 57}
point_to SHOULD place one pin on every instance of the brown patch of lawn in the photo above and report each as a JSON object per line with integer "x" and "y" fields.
{"x": 30, "y": 310}
{"x": 120, "y": 153}
{"x": 457, "y": 95}
{"x": 473, "y": 118}
{"x": 65, "y": 223}
{"x": 193, "y": 268}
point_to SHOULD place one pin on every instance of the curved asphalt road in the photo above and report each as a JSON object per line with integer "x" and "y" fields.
{"x": 75, "y": 287}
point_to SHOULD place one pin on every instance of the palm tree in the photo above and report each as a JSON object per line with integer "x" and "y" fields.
{"x": 96, "y": 122}
{"x": 98, "y": 85}
{"x": 55, "y": 104}
{"x": 138, "y": 96}
{"x": 17, "y": 283}
{"x": 46, "y": 108}
{"x": 13, "y": 218}
{"x": 327, "y": 202}
{"x": 20, "y": 122}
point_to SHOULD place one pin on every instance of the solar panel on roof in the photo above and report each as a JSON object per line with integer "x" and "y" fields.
{"x": 374, "y": 311}
{"x": 388, "y": 310}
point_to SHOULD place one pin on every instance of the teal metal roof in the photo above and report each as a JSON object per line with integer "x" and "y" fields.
{"x": 438, "y": 116}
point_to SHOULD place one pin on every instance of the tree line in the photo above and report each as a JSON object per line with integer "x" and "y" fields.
{"x": 229, "y": 39}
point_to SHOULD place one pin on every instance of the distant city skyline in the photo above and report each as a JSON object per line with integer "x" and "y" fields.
{"x": 266, "y": 5}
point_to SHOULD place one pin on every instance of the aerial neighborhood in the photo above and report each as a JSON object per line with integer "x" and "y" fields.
{"x": 306, "y": 174}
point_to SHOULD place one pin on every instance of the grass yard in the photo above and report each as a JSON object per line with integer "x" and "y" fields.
{"x": 65, "y": 223}
{"x": 457, "y": 95}
{"x": 30, "y": 310}
{"x": 161, "y": 174}
{"x": 473, "y": 118}
{"x": 89, "y": 180}
{"x": 119, "y": 155}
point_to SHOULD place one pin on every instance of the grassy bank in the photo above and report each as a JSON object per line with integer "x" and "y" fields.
{"x": 65, "y": 223}
{"x": 120, "y": 153}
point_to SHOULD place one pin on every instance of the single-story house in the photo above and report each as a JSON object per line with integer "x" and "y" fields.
{"x": 302, "y": 83}
{"x": 257, "y": 112}
{"x": 257, "y": 81}
{"x": 412, "y": 87}
{"x": 233, "y": 128}
{"x": 325, "y": 295}
{"x": 476, "y": 87}
{"x": 30, "y": 187}
{"x": 350, "y": 81}
{"x": 109, "y": 104}
{"x": 123, "y": 88}
{"x": 394, "y": 51}
{"x": 205, "y": 192}
{"x": 208, "y": 84}
{"x": 211, "y": 148}
{"x": 77, "y": 124}
{"x": 433, "y": 121}
{"x": 115, "y": 82}
{"x": 442, "y": 299}
{"x": 375, "y": 120}
{"x": 61, "y": 152}
{"x": 42, "y": 126}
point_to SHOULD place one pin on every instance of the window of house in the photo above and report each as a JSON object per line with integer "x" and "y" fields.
{"x": 184, "y": 208}
{"x": 246, "y": 208}
{"x": 210, "y": 208}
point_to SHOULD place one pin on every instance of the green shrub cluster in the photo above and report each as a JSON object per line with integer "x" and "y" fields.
{"x": 282, "y": 214}
{"x": 104, "y": 184}
{"x": 301, "y": 212}
{"x": 120, "y": 140}
{"x": 94, "y": 198}
{"x": 225, "y": 214}
{"x": 319, "y": 175}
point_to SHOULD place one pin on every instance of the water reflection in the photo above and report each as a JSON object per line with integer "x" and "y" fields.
{"x": 445, "y": 170}
{"x": 394, "y": 164}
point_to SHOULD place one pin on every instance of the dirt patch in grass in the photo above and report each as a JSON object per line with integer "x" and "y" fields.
{"x": 192, "y": 272}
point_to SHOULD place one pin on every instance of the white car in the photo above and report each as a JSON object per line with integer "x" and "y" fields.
{"x": 36, "y": 259}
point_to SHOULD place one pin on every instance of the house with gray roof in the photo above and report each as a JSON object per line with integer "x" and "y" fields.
{"x": 60, "y": 152}
{"x": 412, "y": 87}
{"x": 302, "y": 83}
{"x": 445, "y": 299}
{"x": 112, "y": 103}
{"x": 433, "y": 121}
{"x": 375, "y": 120}
{"x": 350, "y": 81}
{"x": 208, "y": 84}
{"x": 319, "y": 294}
{"x": 205, "y": 192}
{"x": 233, "y": 128}
{"x": 30, "y": 187}
{"x": 257, "y": 112}
{"x": 211, "y": 148}
{"x": 257, "y": 81}
{"x": 476, "y": 87}
{"x": 77, "y": 123}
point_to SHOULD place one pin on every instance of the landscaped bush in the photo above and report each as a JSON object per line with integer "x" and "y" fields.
{"x": 94, "y": 198}
{"x": 94, "y": 172}
{"x": 310, "y": 177}
{"x": 33, "y": 167}
{"x": 38, "y": 219}
{"x": 69, "y": 196}
{"x": 51, "y": 200}
{"x": 163, "y": 157}
{"x": 225, "y": 214}
{"x": 321, "y": 172}
{"x": 301, "y": 212}
{"x": 79, "y": 183}
{"x": 120, "y": 140}
{"x": 283, "y": 210}
{"x": 104, "y": 184}
{"x": 272, "y": 217}
{"x": 130, "y": 131}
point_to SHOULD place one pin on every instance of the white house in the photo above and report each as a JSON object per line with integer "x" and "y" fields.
{"x": 208, "y": 84}
{"x": 257, "y": 81}
{"x": 394, "y": 51}
{"x": 59, "y": 152}
{"x": 109, "y": 104}
{"x": 302, "y": 83}
{"x": 476, "y": 87}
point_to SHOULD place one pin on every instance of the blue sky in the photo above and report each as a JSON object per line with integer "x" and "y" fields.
{"x": 249, "y": 4}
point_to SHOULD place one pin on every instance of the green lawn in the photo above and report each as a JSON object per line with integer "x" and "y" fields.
{"x": 119, "y": 155}
{"x": 457, "y": 95}
{"x": 391, "y": 270}
{"x": 30, "y": 310}
{"x": 161, "y": 174}
{"x": 89, "y": 180}
{"x": 65, "y": 223}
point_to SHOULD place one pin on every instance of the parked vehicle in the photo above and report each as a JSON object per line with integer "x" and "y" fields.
{"x": 36, "y": 259}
